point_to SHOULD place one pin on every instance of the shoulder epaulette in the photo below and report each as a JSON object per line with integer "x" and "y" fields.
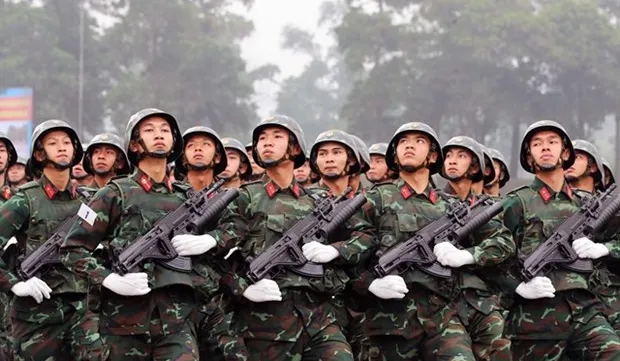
{"x": 86, "y": 192}
{"x": 29, "y": 185}
{"x": 519, "y": 189}
{"x": 183, "y": 187}
{"x": 251, "y": 183}
{"x": 119, "y": 177}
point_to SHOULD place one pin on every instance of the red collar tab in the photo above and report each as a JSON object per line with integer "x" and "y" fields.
{"x": 145, "y": 182}
{"x": 271, "y": 189}
{"x": 472, "y": 200}
{"x": 49, "y": 190}
{"x": 296, "y": 190}
{"x": 568, "y": 191}
{"x": 432, "y": 196}
{"x": 545, "y": 194}
{"x": 169, "y": 184}
{"x": 7, "y": 193}
{"x": 405, "y": 191}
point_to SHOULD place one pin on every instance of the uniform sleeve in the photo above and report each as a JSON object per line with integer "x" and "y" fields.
{"x": 14, "y": 213}
{"x": 610, "y": 236}
{"x": 83, "y": 238}
{"x": 493, "y": 244}
{"x": 513, "y": 220}
{"x": 361, "y": 241}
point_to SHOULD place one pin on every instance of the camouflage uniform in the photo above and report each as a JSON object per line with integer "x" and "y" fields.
{"x": 430, "y": 322}
{"x": 303, "y": 325}
{"x": 570, "y": 324}
{"x": 59, "y": 328}
{"x": 154, "y": 326}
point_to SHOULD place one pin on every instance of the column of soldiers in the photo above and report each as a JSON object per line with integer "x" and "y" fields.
{"x": 79, "y": 307}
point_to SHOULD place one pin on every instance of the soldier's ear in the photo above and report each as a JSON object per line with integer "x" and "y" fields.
{"x": 134, "y": 146}
{"x": 565, "y": 154}
{"x": 432, "y": 157}
{"x": 39, "y": 155}
{"x": 295, "y": 150}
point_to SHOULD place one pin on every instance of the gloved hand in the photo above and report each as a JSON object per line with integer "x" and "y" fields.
{"x": 450, "y": 256}
{"x": 191, "y": 245}
{"x": 538, "y": 287}
{"x": 319, "y": 253}
{"x": 33, "y": 287}
{"x": 585, "y": 248}
{"x": 131, "y": 284}
{"x": 11, "y": 242}
{"x": 263, "y": 291}
{"x": 390, "y": 286}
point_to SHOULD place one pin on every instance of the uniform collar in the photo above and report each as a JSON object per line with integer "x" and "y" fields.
{"x": 147, "y": 183}
{"x": 322, "y": 185}
{"x": 547, "y": 194}
{"x": 406, "y": 191}
{"x": 51, "y": 191}
{"x": 271, "y": 188}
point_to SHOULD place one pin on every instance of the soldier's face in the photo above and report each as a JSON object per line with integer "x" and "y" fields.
{"x": 457, "y": 161}
{"x": 16, "y": 173}
{"x": 256, "y": 169}
{"x": 4, "y": 156}
{"x": 103, "y": 158}
{"x": 546, "y": 149}
{"x": 302, "y": 174}
{"x": 78, "y": 171}
{"x": 580, "y": 167}
{"x": 272, "y": 144}
{"x": 234, "y": 162}
{"x": 412, "y": 150}
{"x": 200, "y": 150}
{"x": 498, "y": 168}
{"x": 331, "y": 159}
{"x": 156, "y": 133}
{"x": 378, "y": 168}
{"x": 58, "y": 147}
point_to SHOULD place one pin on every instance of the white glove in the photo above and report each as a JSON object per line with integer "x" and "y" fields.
{"x": 232, "y": 250}
{"x": 11, "y": 241}
{"x": 131, "y": 284}
{"x": 585, "y": 248}
{"x": 319, "y": 253}
{"x": 33, "y": 287}
{"x": 390, "y": 286}
{"x": 263, "y": 291}
{"x": 191, "y": 245}
{"x": 450, "y": 256}
{"x": 538, "y": 287}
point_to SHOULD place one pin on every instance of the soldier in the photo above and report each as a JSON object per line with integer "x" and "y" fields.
{"x": 554, "y": 316}
{"x": 105, "y": 159}
{"x": 16, "y": 174}
{"x": 502, "y": 176}
{"x": 489, "y": 171}
{"x": 302, "y": 174}
{"x": 416, "y": 316}
{"x": 609, "y": 174}
{"x": 8, "y": 157}
{"x": 63, "y": 328}
{"x": 378, "y": 171}
{"x": 334, "y": 157}
{"x": 257, "y": 170}
{"x": 289, "y": 317}
{"x": 203, "y": 157}
{"x": 239, "y": 168}
{"x": 78, "y": 174}
{"x": 586, "y": 173}
{"x": 463, "y": 166}
{"x": 144, "y": 315}
{"x": 356, "y": 179}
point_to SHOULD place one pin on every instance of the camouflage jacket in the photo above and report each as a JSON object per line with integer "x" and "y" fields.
{"x": 32, "y": 215}
{"x": 532, "y": 213}
{"x": 263, "y": 212}
{"x": 126, "y": 208}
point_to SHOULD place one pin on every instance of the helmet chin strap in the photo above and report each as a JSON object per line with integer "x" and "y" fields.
{"x": 156, "y": 154}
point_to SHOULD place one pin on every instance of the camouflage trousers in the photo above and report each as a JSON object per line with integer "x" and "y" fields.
{"x": 352, "y": 324}
{"x": 64, "y": 331}
{"x": 568, "y": 326}
{"x": 6, "y": 347}
{"x": 610, "y": 297}
{"x": 217, "y": 338}
{"x": 329, "y": 344}
{"x": 485, "y": 325}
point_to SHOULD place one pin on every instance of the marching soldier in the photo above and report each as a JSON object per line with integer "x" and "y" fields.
{"x": 302, "y": 174}
{"x": 49, "y": 317}
{"x": 144, "y": 315}
{"x": 8, "y": 157}
{"x": 378, "y": 171}
{"x": 489, "y": 171}
{"x": 463, "y": 166}
{"x": 105, "y": 159}
{"x": 203, "y": 158}
{"x": 414, "y": 315}
{"x": 609, "y": 174}
{"x": 239, "y": 168}
{"x": 16, "y": 174}
{"x": 502, "y": 176}
{"x": 556, "y": 315}
{"x": 257, "y": 170}
{"x": 78, "y": 174}
{"x": 289, "y": 317}
{"x": 356, "y": 179}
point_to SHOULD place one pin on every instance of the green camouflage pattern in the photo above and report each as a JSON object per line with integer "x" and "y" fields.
{"x": 304, "y": 317}
{"x": 126, "y": 209}
{"x": 570, "y": 324}
{"x": 432, "y": 304}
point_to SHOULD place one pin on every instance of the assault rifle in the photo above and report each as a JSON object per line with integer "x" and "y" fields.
{"x": 326, "y": 217}
{"x": 190, "y": 218}
{"x": 459, "y": 221}
{"x": 557, "y": 249}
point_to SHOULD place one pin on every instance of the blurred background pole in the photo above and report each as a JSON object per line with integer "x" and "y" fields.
{"x": 81, "y": 74}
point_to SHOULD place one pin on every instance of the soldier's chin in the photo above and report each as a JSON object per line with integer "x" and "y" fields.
{"x": 571, "y": 178}
{"x": 102, "y": 172}
{"x": 63, "y": 164}
{"x": 454, "y": 177}
{"x": 548, "y": 167}
{"x": 332, "y": 176}
{"x": 301, "y": 179}
{"x": 159, "y": 154}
